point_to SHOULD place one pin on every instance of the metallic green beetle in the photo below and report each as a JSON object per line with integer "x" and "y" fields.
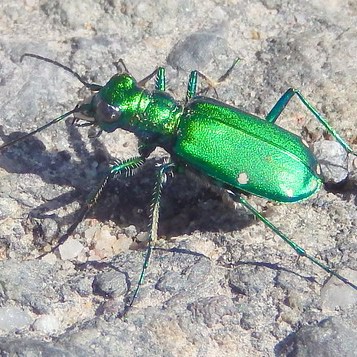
{"x": 235, "y": 150}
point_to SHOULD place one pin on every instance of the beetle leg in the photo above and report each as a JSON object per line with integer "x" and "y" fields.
{"x": 284, "y": 100}
{"x": 120, "y": 65}
{"x": 126, "y": 167}
{"x": 191, "y": 86}
{"x": 192, "y": 81}
{"x": 299, "y": 250}
{"x": 160, "y": 79}
{"x": 229, "y": 71}
{"x": 163, "y": 171}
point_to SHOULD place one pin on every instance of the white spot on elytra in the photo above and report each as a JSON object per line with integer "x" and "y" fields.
{"x": 289, "y": 192}
{"x": 242, "y": 178}
{"x": 305, "y": 143}
{"x": 318, "y": 170}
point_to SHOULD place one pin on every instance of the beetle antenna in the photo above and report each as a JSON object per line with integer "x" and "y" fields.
{"x": 43, "y": 127}
{"x": 92, "y": 86}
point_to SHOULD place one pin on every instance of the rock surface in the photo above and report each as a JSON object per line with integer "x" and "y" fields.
{"x": 221, "y": 283}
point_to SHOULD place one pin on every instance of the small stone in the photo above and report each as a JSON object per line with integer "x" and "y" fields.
{"x": 130, "y": 231}
{"x": 110, "y": 283}
{"x": 49, "y": 258}
{"x": 103, "y": 243}
{"x": 89, "y": 234}
{"x": 122, "y": 244}
{"x": 196, "y": 50}
{"x": 13, "y": 318}
{"x": 332, "y": 158}
{"x": 47, "y": 324}
{"x": 70, "y": 249}
{"x": 336, "y": 294}
{"x": 142, "y": 237}
{"x": 331, "y": 337}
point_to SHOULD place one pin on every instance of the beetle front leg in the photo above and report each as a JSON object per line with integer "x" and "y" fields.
{"x": 192, "y": 81}
{"x": 162, "y": 174}
{"x": 159, "y": 73}
{"x": 126, "y": 167}
{"x": 160, "y": 79}
{"x": 236, "y": 196}
{"x": 284, "y": 100}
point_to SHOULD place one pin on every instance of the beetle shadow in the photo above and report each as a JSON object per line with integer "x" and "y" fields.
{"x": 54, "y": 168}
{"x": 186, "y": 205}
{"x": 347, "y": 190}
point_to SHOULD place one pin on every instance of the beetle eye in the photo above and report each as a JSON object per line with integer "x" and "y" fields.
{"x": 105, "y": 112}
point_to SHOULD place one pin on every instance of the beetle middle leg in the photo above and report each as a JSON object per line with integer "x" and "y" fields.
{"x": 236, "y": 196}
{"x": 162, "y": 174}
{"x": 280, "y": 105}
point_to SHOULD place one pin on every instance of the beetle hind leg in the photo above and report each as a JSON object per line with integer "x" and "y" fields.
{"x": 280, "y": 105}
{"x": 235, "y": 195}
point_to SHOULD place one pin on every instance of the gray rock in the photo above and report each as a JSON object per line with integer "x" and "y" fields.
{"x": 331, "y": 337}
{"x": 333, "y": 161}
